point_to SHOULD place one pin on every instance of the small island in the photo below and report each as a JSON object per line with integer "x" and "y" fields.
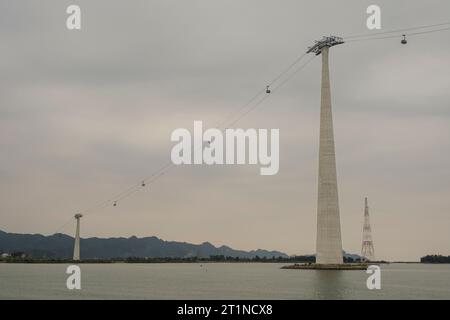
{"x": 436, "y": 258}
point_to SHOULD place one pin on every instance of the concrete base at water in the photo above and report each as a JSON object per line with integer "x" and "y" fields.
{"x": 315, "y": 266}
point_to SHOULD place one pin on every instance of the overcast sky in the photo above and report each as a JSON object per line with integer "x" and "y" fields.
{"x": 85, "y": 114}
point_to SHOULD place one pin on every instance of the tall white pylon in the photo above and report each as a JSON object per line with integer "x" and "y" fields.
{"x": 329, "y": 242}
{"x": 76, "y": 247}
{"x": 367, "y": 250}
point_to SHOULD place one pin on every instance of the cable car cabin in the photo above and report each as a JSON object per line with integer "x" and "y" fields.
{"x": 404, "y": 41}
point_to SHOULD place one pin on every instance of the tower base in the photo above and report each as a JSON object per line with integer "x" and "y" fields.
{"x": 315, "y": 266}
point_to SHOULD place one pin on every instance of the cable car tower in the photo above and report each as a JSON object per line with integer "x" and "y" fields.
{"x": 76, "y": 247}
{"x": 329, "y": 241}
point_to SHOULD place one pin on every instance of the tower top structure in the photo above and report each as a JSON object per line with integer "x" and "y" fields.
{"x": 325, "y": 42}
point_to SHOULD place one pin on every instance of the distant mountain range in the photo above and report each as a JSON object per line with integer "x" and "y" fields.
{"x": 60, "y": 246}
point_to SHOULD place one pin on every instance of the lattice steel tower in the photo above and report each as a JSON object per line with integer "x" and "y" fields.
{"x": 367, "y": 251}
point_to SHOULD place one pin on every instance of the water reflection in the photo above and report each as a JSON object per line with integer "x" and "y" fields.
{"x": 328, "y": 284}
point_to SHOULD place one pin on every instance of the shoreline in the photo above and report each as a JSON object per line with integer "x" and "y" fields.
{"x": 288, "y": 264}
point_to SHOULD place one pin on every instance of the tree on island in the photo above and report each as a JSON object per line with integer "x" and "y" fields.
{"x": 435, "y": 259}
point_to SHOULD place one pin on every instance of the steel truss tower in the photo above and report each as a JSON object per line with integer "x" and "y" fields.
{"x": 367, "y": 251}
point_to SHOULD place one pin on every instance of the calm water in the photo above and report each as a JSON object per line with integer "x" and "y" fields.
{"x": 220, "y": 281}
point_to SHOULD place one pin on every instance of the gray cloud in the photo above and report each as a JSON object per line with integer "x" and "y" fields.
{"x": 85, "y": 114}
